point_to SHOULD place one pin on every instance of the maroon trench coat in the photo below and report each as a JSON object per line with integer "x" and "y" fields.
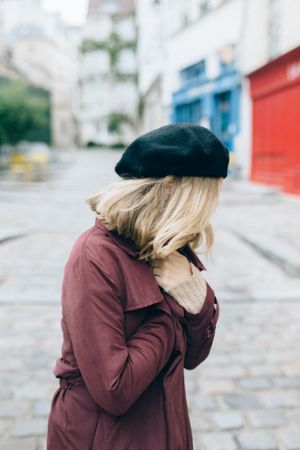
{"x": 125, "y": 345}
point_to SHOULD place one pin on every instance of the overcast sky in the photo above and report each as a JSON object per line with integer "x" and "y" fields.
{"x": 72, "y": 11}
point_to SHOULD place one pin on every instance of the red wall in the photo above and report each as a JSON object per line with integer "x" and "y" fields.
{"x": 275, "y": 91}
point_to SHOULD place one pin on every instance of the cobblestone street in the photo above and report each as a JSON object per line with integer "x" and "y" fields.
{"x": 245, "y": 396}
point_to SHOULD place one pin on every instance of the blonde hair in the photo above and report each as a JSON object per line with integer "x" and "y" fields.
{"x": 160, "y": 215}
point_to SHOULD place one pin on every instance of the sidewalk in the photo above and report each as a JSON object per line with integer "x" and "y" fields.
{"x": 244, "y": 396}
{"x": 269, "y": 221}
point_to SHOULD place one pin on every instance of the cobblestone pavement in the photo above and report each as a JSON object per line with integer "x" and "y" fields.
{"x": 245, "y": 396}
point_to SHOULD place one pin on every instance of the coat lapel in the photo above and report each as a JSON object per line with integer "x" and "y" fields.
{"x": 125, "y": 243}
{"x": 144, "y": 290}
{"x": 141, "y": 287}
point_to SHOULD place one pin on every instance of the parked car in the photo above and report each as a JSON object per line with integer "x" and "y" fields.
{"x": 29, "y": 160}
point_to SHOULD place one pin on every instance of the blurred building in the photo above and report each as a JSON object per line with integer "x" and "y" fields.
{"x": 38, "y": 47}
{"x": 271, "y": 60}
{"x": 188, "y": 64}
{"x": 196, "y": 60}
{"x": 108, "y": 74}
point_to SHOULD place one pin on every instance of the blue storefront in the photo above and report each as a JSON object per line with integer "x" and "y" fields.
{"x": 213, "y": 103}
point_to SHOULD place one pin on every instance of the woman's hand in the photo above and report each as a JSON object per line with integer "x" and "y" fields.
{"x": 172, "y": 270}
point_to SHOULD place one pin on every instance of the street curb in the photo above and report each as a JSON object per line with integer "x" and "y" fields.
{"x": 8, "y": 235}
{"x": 280, "y": 253}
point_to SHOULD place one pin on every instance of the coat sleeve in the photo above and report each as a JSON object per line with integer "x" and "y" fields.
{"x": 116, "y": 371}
{"x": 200, "y": 330}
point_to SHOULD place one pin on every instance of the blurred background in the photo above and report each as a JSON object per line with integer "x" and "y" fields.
{"x": 79, "y": 81}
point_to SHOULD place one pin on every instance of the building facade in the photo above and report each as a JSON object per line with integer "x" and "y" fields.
{"x": 188, "y": 61}
{"x": 198, "y": 61}
{"x": 210, "y": 101}
{"x": 108, "y": 74}
{"x": 273, "y": 72}
{"x": 39, "y": 48}
{"x": 275, "y": 92}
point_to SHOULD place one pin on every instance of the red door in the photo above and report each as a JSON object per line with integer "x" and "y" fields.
{"x": 275, "y": 90}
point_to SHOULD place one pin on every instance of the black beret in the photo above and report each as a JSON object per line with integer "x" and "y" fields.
{"x": 182, "y": 149}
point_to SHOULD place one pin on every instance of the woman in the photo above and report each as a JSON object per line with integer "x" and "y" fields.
{"x": 136, "y": 310}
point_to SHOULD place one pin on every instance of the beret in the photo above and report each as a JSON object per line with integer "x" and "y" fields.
{"x": 182, "y": 149}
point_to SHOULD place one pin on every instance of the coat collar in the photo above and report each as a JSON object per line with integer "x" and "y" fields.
{"x": 123, "y": 242}
{"x": 129, "y": 246}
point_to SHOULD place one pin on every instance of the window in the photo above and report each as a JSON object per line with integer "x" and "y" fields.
{"x": 193, "y": 72}
{"x": 189, "y": 112}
